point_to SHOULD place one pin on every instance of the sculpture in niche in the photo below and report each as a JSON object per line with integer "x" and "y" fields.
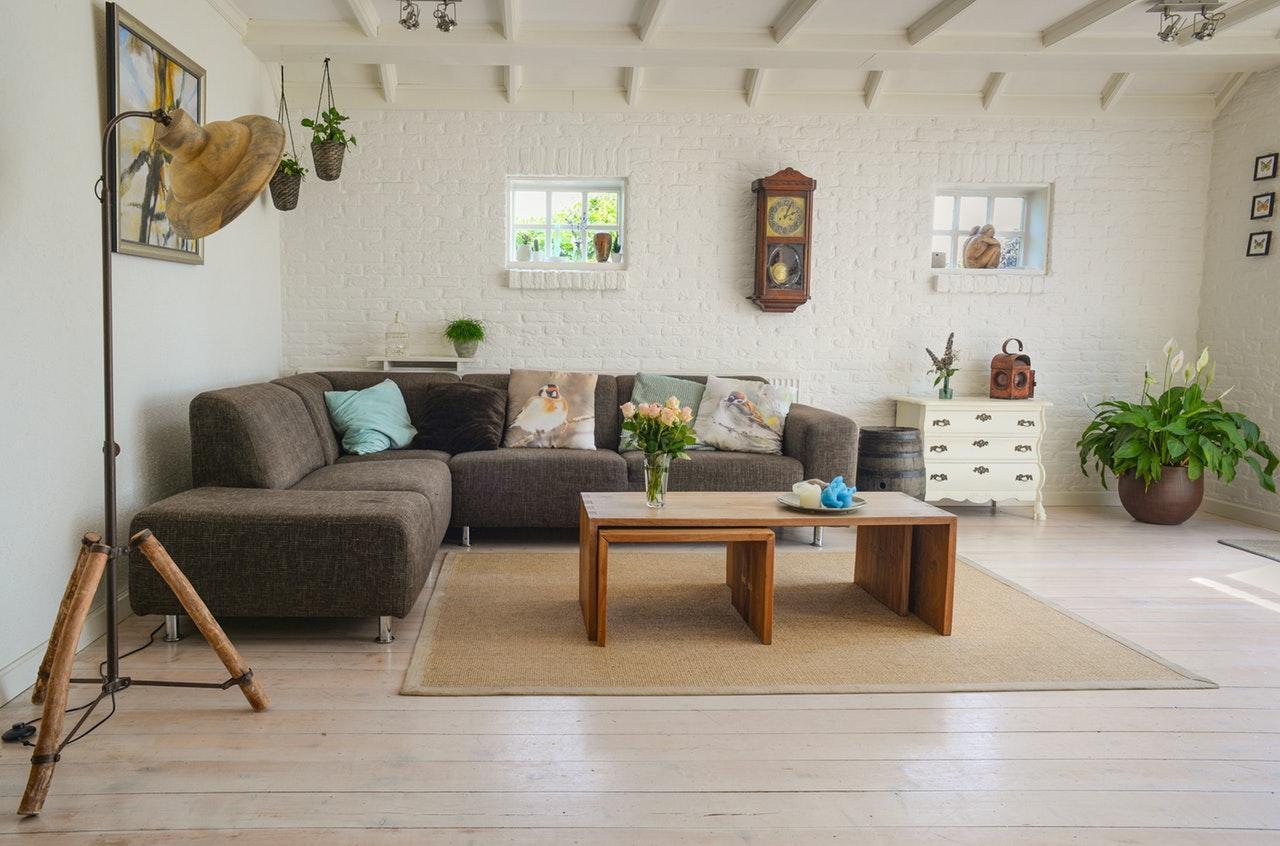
{"x": 982, "y": 249}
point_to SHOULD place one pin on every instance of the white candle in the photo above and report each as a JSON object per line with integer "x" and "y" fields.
{"x": 810, "y": 494}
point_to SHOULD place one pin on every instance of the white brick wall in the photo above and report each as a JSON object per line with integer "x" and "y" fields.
{"x": 1240, "y": 306}
{"x": 417, "y": 223}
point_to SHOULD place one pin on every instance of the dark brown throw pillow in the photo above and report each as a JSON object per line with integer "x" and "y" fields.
{"x": 462, "y": 417}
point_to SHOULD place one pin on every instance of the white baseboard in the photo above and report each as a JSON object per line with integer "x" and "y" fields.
{"x": 1243, "y": 513}
{"x": 20, "y": 673}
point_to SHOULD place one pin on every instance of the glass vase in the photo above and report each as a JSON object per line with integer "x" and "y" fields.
{"x": 945, "y": 391}
{"x": 657, "y": 465}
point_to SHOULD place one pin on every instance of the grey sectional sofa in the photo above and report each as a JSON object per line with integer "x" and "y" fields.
{"x": 281, "y": 523}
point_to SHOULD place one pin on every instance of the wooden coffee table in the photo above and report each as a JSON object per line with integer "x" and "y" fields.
{"x": 905, "y": 555}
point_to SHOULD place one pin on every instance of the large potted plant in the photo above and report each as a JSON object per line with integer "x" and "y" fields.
{"x": 466, "y": 334}
{"x": 1161, "y": 446}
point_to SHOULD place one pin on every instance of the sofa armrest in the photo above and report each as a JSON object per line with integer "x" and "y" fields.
{"x": 253, "y": 552}
{"x": 826, "y": 443}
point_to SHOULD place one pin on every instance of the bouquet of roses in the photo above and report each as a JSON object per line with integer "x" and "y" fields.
{"x": 660, "y": 429}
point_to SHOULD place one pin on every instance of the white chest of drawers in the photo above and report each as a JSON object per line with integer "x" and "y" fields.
{"x": 978, "y": 449}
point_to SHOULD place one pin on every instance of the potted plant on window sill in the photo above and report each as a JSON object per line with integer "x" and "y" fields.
{"x": 1161, "y": 446}
{"x": 616, "y": 257}
{"x": 466, "y": 333}
{"x": 287, "y": 183}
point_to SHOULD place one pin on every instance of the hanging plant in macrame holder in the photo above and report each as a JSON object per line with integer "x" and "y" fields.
{"x": 286, "y": 183}
{"x": 330, "y": 141}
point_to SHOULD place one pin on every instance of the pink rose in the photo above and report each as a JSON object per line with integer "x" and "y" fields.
{"x": 668, "y": 416}
{"x": 649, "y": 410}
{"x": 673, "y": 403}
{"x": 686, "y": 414}
{"x": 628, "y": 410}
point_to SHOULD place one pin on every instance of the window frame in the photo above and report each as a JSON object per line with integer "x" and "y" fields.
{"x": 584, "y": 187}
{"x": 957, "y": 235}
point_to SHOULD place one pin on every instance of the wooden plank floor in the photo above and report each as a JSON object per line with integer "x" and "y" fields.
{"x": 341, "y": 758}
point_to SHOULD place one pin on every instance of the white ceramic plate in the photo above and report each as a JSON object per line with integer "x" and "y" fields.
{"x": 792, "y": 501}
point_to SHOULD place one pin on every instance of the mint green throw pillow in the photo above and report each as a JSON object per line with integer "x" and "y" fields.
{"x": 652, "y": 387}
{"x": 371, "y": 420}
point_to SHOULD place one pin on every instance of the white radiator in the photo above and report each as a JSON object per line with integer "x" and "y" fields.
{"x": 792, "y": 382}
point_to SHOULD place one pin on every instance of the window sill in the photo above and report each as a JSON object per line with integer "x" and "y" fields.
{"x": 578, "y": 276}
{"x": 1012, "y": 280}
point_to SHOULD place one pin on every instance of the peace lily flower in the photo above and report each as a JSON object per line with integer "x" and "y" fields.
{"x": 1176, "y": 364}
{"x": 1169, "y": 346}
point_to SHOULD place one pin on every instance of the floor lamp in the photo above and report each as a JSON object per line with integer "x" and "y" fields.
{"x": 216, "y": 172}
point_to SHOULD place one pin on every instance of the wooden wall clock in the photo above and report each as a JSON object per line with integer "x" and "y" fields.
{"x": 784, "y": 224}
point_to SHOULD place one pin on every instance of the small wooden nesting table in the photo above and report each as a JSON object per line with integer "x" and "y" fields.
{"x": 905, "y": 555}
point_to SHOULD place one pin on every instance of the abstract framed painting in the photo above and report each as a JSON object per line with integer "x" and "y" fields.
{"x": 146, "y": 72}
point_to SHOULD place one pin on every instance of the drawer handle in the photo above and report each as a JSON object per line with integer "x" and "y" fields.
{"x": 984, "y": 417}
{"x": 1024, "y": 477}
{"x": 982, "y": 471}
{"x": 937, "y": 477}
{"x": 1022, "y": 448}
{"x": 980, "y": 443}
{"x": 938, "y": 448}
{"x": 1025, "y": 422}
{"x": 942, "y": 421}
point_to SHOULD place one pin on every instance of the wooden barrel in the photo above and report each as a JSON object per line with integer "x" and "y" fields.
{"x": 891, "y": 458}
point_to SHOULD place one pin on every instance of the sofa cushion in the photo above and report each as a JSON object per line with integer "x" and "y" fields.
{"x": 742, "y": 416}
{"x": 413, "y": 386}
{"x": 722, "y": 471}
{"x": 462, "y": 417}
{"x": 371, "y": 420}
{"x": 608, "y": 420}
{"x": 310, "y": 388}
{"x": 429, "y": 478}
{"x": 551, "y": 409}
{"x": 253, "y": 436}
{"x": 530, "y": 487}
{"x": 396, "y": 455}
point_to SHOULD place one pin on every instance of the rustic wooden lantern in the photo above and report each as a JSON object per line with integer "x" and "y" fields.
{"x": 1011, "y": 374}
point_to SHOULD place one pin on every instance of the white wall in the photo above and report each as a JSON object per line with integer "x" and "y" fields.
{"x": 1240, "y": 307}
{"x": 181, "y": 329}
{"x": 417, "y": 223}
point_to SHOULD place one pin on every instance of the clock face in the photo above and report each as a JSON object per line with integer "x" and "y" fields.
{"x": 785, "y": 216}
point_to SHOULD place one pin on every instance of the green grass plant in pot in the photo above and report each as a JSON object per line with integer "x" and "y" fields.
{"x": 466, "y": 334}
{"x": 1161, "y": 446}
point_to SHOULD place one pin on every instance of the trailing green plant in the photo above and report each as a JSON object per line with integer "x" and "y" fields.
{"x": 329, "y": 127}
{"x": 464, "y": 329}
{"x": 1178, "y": 427}
{"x": 291, "y": 166}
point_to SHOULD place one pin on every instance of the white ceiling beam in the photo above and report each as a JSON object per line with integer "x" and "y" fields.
{"x": 872, "y": 89}
{"x": 1228, "y": 91}
{"x": 935, "y": 19}
{"x": 1078, "y": 20}
{"x": 650, "y": 16}
{"x": 993, "y": 89}
{"x": 510, "y": 23}
{"x": 512, "y": 79}
{"x": 232, "y": 14}
{"x": 387, "y": 79}
{"x": 632, "y": 78}
{"x": 619, "y": 47}
{"x": 791, "y": 19}
{"x": 755, "y": 85}
{"x": 1113, "y": 89}
{"x": 1245, "y": 10}
{"x": 367, "y": 17}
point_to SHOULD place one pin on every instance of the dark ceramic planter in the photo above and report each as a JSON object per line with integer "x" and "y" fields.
{"x": 1168, "y": 502}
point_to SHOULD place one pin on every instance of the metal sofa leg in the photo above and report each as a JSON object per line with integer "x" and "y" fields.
{"x": 172, "y": 633}
{"x": 384, "y": 630}
{"x": 466, "y": 536}
{"x": 817, "y": 537}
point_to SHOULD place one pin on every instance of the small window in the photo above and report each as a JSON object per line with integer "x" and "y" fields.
{"x": 555, "y": 221}
{"x": 1019, "y": 215}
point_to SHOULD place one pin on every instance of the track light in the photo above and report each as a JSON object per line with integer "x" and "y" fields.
{"x": 1169, "y": 28}
{"x": 409, "y": 15}
{"x": 446, "y": 15}
{"x": 1205, "y": 18}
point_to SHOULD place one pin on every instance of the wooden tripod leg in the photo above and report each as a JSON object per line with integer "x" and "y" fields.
{"x": 60, "y": 622}
{"x": 200, "y": 615}
{"x": 58, "y": 689}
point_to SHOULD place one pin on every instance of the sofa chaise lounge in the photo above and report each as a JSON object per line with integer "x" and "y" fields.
{"x": 281, "y": 523}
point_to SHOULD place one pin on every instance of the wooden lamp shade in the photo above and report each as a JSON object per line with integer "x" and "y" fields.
{"x": 218, "y": 169}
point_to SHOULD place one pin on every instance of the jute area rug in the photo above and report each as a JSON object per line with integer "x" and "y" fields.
{"x": 508, "y": 623}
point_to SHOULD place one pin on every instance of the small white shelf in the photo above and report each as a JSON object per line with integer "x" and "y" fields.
{"x": 425, "y": 363}
{"x": 1010, "y": 280}
{"x": 596, "y": 276}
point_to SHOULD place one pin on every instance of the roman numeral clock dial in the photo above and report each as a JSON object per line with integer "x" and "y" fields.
{"x": 784, "y": 217}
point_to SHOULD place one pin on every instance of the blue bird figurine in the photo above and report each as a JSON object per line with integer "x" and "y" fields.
{"x": 837, "y": 494}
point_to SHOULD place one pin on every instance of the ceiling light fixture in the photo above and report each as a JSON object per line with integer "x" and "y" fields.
{"x": 1204, "y": 22}
{"x": 409, "y": 15}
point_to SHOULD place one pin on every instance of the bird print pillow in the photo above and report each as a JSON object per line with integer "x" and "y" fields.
{"x": 551, "y": 409}
{"x": 742, "y": 416}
